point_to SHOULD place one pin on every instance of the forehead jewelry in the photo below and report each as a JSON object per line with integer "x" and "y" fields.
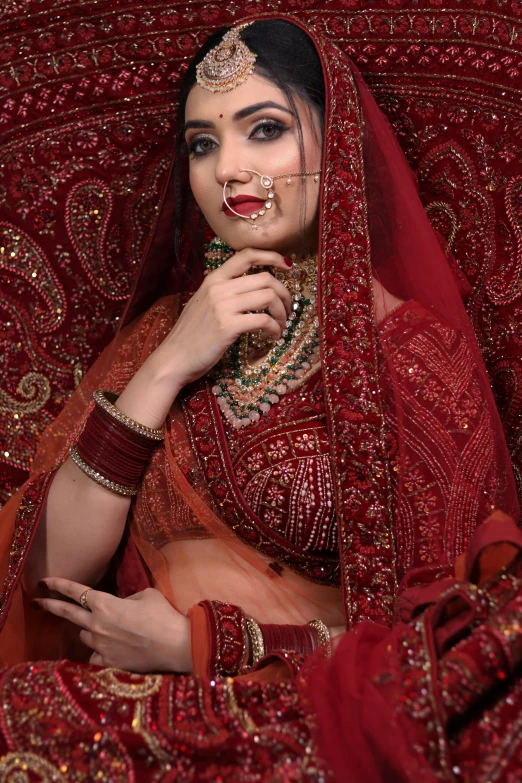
{"x": 228, "y": 65}
{"x": 268, "y": 184}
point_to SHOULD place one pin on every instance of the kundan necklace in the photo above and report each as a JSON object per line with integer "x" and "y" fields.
{"x": 246, "y": 391}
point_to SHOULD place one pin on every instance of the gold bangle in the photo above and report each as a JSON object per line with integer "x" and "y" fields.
{"x": 119, "y": 489}
{"x": 257, "y": 642}
{"x": 105, "y": 400}
{"x": 323, "y": 634}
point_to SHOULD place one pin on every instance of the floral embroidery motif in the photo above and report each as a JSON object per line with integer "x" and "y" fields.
{"x": 292, "y": 488}
{"x": 443, "y": 417}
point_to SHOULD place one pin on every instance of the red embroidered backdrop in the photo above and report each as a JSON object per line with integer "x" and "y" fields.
{"x": 87, "y": 94}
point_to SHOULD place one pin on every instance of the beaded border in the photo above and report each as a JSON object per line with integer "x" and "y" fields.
{"x": 119, "y": 489}
{"x": 100, "y": 398}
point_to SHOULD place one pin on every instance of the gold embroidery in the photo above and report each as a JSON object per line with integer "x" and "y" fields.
{"x": 141, "y": 685}
{"x": 17, "y": 768}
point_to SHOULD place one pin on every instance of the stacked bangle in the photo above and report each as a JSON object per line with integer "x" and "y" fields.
{"x": 296, "y": 638}
{"x": 226, "y": 643}
{"x": 113, "y": 449}
{"x": 119, "y": 489}
{"x": 105, "y": 400}
{"x": 301, "y": 639}
{"x": 323, "y": 634}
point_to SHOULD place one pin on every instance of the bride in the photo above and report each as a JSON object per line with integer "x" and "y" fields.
{"x": 293, "y": 432}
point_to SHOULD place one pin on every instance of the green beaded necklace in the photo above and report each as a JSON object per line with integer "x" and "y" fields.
{"x": 245, "y": 392}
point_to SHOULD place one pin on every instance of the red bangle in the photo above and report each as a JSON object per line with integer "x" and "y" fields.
{"x": 112, "y": 449}
{"x": 228, "y": 638}
{"x": 293, "y": 638}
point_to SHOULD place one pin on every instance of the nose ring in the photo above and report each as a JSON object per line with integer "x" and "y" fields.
{"x": 267, "y": 183}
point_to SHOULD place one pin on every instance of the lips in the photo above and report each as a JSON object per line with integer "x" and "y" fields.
{"x": 244, "y": 204}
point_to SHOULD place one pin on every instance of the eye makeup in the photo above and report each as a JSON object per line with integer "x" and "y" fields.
{"x": 264, "y": 124}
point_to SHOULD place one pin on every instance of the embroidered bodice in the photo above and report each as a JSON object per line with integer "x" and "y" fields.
{"x": 282, "y": 466}
{"x": 272, "y": 483}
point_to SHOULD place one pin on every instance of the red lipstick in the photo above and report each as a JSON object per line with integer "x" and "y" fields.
{"x": 244, "y": 204}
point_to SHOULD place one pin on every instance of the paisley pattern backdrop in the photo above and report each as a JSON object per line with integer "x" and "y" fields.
{"x": 87, "y": 100}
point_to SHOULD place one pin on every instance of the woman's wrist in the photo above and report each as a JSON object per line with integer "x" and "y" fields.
{"x": 184, "y": 651}
{"x": 149, "y": 396}
{"x": 175, "y": 655}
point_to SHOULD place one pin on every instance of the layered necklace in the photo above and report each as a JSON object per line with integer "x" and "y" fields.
{"x": 247, "y": 391}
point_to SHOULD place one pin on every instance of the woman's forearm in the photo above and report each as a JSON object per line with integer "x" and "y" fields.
{"x": 83, "y": 522}
{"x": 79, "y": 531}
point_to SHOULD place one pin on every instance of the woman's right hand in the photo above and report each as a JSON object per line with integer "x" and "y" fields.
{"x": 221, "y": 310}
{"x": 216, "y": 315}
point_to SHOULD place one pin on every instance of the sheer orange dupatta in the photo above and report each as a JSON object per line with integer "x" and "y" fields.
{"x": 26, "y": 633}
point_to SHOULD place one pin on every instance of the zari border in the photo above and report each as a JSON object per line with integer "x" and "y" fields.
{"x": 26, "y": 524}
{"x": 228, "y": 638}
{"x": 350, "y": 362}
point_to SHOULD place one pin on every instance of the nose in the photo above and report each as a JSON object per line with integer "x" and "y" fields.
{"x": 229, "y": 168}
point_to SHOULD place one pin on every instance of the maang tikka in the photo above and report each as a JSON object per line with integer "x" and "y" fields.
{"x": 228, "y": 64}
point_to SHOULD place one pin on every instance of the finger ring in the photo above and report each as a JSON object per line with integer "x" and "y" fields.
{"x": 83, "y": 599}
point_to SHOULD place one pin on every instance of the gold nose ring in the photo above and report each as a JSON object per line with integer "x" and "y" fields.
{"x": 267, "y": 183}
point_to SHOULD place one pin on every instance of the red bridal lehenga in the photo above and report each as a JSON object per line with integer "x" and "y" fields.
{"x": 377, "y": 494}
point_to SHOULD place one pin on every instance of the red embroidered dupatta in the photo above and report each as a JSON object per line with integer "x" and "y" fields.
{"x": 417, "y": 450}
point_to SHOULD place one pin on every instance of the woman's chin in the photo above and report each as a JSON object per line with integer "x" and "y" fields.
{"x": 241, "y": 235}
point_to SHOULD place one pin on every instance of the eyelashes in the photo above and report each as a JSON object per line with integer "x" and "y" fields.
{"x": 272, "y": 129}
{"x": 195, "y": 144}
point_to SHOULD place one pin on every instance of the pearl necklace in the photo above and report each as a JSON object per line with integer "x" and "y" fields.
{"x": 244, "y": 391}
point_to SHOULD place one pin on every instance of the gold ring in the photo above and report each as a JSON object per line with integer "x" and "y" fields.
{"x": 83, "y": 599}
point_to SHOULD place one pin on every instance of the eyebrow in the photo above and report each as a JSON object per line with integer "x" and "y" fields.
{"x": 242, "y": 114}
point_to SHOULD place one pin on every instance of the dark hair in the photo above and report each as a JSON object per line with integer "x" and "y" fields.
{"x": 287, "y": 57}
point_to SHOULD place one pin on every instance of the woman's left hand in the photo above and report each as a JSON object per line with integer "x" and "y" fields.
{"x": 142, "y": 633}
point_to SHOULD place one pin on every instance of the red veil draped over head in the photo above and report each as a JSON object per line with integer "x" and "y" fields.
{"x": 416, "y": 446}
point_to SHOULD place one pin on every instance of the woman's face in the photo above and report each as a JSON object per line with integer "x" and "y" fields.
{"x": 253, "y": 127}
